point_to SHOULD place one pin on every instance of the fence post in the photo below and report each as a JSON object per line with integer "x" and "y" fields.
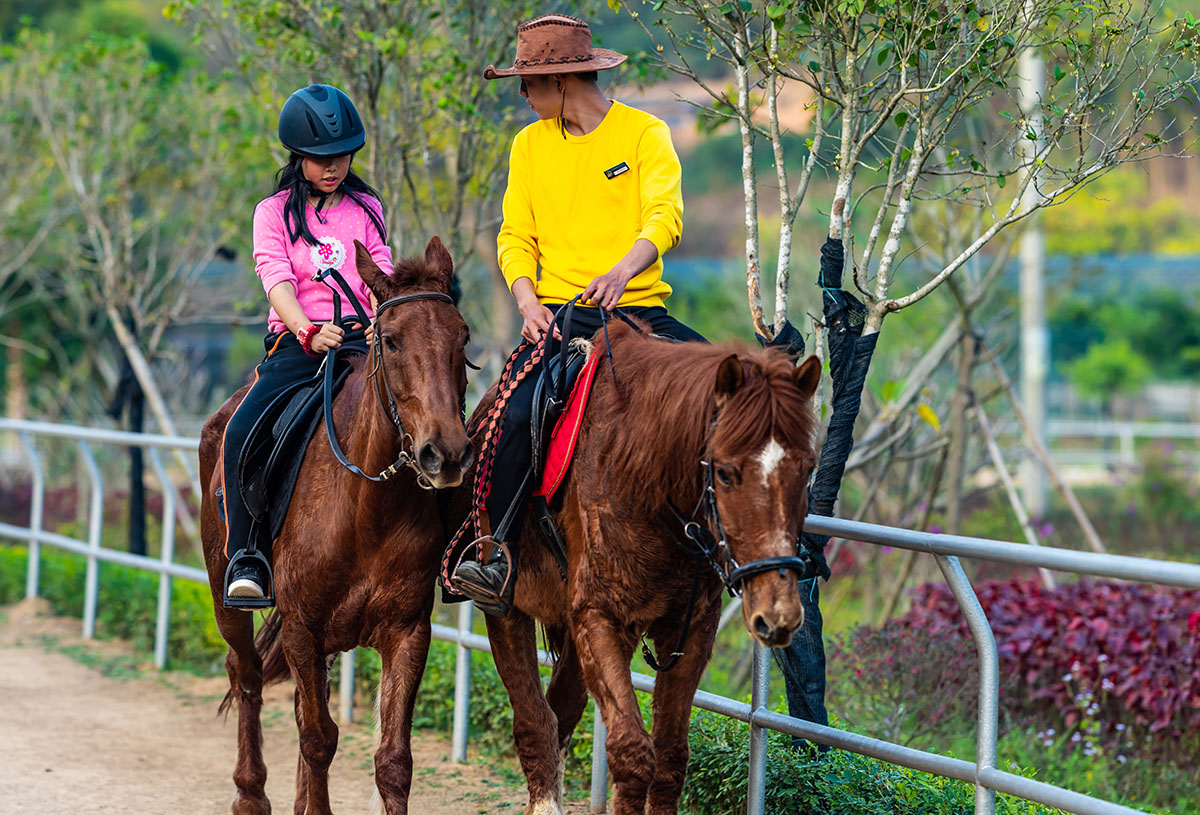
{"x": 756, "y": 787}
{"x": 599, "y": 762}
{"x": 462, "y": 685}
{"x": 36, "y": 500}
{"x": 1128, "y": 445}
{"x": 989, "y": 677}
{"x": 95, "y": 525}
{"x": 167, "y": 555}
{"x": 346, "y": 688}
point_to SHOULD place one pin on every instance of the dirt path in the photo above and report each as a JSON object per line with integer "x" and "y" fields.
{"x": 86, "y": 728}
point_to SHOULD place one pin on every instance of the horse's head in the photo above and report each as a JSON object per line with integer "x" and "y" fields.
{"x": 421, "y": 367}
{"x": 761, "y": 452}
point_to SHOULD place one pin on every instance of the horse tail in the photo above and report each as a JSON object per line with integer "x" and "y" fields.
{"x": 554, "y": 638}
{"x": 270, "y": 650}
{"x": 275, "y": 667}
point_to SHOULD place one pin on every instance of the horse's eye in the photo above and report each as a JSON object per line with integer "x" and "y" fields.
{"x": 389, "y": 343}
{"x": 724, "y": 476}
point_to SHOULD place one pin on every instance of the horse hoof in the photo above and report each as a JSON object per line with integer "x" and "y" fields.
{"x": 543, "y": 807}
{"x": 251, "y": 806}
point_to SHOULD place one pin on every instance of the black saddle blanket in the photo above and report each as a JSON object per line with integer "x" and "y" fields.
{"x": 269, "y": 463}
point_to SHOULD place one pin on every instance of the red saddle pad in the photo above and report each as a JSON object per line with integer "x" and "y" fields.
{"x": 566, "y": 431}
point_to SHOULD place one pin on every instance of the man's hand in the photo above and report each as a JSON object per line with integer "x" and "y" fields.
{"x": 329, "y": 337}
{"x": 536, "y": 319}
{"x": 605, "y": 291}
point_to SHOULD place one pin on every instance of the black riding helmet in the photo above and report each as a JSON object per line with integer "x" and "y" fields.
{"x": 320, "y": 120}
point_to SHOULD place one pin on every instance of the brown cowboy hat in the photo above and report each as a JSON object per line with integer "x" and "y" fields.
{"x": 555, "y": 44}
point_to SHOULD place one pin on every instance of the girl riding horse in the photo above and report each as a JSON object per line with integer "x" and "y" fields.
{"x": 319, "y": 209}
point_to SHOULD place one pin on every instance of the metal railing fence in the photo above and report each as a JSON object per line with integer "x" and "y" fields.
{"x": 982, "y": 773}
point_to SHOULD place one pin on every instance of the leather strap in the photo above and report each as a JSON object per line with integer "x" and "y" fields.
{"x": 404, "y": 458}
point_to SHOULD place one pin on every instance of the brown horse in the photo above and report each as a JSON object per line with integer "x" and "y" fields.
{"x": 355, "y": 561}
{"x": 676, "y": 420}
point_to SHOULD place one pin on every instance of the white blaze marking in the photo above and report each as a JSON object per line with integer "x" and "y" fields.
{"x": 769, "y": 459}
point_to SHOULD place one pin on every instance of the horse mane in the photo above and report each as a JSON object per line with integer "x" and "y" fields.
{"x": 669, "y": 396}
{"x": 414, "y": 273}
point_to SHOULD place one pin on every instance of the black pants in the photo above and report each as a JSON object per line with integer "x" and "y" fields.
{"x": 515, "y": 451}
{"x": 285, "y": 364}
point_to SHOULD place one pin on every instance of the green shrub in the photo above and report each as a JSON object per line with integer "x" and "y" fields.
{"x": 832, "y": 783}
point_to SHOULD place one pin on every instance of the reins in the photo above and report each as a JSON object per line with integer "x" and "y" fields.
{"x": 404, "y": 458}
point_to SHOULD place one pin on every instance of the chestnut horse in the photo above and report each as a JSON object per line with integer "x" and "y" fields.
{"x": 680, "y": 422}
{"x": 356, "y": 560}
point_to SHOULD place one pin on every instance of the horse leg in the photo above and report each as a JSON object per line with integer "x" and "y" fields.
{"x": 244, "y": 666}
{"x": 535, "y": 730}
{"x": 605, "y": 649}
{"x": 301, "y": 798}
{"x": 673, "y": 692}
{"x": 566, "y": 695}
{"x": 318, "y": 732}
{"x": 402, "y": 654}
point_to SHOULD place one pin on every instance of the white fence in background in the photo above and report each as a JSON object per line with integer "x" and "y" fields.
{"x": 946, "y": 549}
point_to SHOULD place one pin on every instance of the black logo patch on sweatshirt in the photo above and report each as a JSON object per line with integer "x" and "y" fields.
{"x": 613, "y": 172}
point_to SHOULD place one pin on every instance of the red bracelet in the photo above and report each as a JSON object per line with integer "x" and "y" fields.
{"x": 305, "y": 336}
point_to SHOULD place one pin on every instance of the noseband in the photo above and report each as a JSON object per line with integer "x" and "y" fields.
{"x": 382, "y": 393}
{"x": 712, "y": 544}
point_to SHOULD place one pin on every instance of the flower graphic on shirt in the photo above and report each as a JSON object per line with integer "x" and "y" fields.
{"x": 329, "y": 253}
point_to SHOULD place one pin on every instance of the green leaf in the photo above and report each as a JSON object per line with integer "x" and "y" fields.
{"x": 814, "y": 66}
{"x": 888, "y": 390}
{"x": 776, "y": 13}
{"x": 615, "y": 5}
{"x": 882, "y": 56}
{"x": 1001, "y": 180}
{"x": 1059, "y": 73}
{"x": 901, "y": 118}
{"x": 1007, "y": 115}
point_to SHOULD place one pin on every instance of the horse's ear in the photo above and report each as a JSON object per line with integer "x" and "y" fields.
{"x": 729, "y": 378}
{"x": 375, "y": 278}
{"x": 808, "y": 375}
{"x": 437, "y": 259}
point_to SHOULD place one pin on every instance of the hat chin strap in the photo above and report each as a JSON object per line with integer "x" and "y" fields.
{"x": 562, "y": 122}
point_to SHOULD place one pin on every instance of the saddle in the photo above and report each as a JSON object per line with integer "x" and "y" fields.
{"x": 560, "y": 398}
{"x": 269, "y": 462}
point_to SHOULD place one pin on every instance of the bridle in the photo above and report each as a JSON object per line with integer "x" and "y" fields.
{"x": 710, "y": 542}
{"x": 377, "y": 374}
{"x": 707, "y": 542}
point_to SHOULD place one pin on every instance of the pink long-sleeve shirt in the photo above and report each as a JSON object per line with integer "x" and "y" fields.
{"x": 278, "y": 260}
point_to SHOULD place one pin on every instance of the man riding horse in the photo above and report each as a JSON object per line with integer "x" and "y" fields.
{"x": 593, "y": 203}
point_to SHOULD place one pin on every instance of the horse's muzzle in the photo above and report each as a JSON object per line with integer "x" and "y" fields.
{"x": 444, "y": 467}
{"x": 772, "y": 608}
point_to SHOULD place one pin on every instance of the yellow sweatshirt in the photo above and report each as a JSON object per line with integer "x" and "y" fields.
{"x": 576, "y": 206}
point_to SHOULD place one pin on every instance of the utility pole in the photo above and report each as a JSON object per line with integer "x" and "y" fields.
{"x": 1035, "y": 339}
